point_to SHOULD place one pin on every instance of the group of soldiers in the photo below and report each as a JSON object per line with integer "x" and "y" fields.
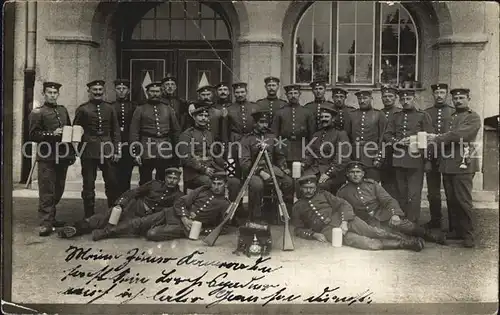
{"x": 374, "y": 198}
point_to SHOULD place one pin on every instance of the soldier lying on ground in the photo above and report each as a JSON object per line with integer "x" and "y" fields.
{"x": 144, "y": 200}
{"x": 318, "y": 211}
{"x": 375, "y": 206}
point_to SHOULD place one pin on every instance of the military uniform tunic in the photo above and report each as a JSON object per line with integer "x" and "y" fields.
{"x": 179, "y": 107}
{"x": 271, "y": 104}
{"x": 386, "y": 171}
{"x": 240, "y": 121}
{"x": 342, "y": 116}
{"x": 315, "y": 107}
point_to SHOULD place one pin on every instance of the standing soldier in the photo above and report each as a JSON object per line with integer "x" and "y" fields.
{"x": 328, "y": 154}
{"x": 339, "y": 96}
{"x": 154, "y": 131}
{"x": 387, "y": 178}
{"x": 271, "y": 103}
{"x": 53, "y": 158}
{"x": 124, "y": 108}
{"x": 365, "y": 128}
{"x": 251, "y": 146}
{"x": 440, "y": 115}
{"x": 408, "y": 164}
{"x": 205, "y": 96}
{"x": 169, "y": 87}
{"x": 240, "y": 122}
{"x": 295, "y": 124}
{"x": 100, "y": 141}
{"x": 223, "y": 95}
{"x": 319, "y": 91}
{"x": 458, "y": 164}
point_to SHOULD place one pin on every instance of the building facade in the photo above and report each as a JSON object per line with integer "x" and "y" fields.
{"x": 351, "y": 44}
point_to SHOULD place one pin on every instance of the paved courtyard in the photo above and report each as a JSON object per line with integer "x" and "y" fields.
{"x": 45, "y": 272}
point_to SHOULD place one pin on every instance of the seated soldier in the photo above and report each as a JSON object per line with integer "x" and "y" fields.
{"x": 206, "y": 204}
{"x": 318, "y": 211}
{"x": 195, "y": 152}
{"x": 374, "y": 205}
{"x": 328, "y": 153}
{"x": 250, "y": 148}
{"x": 146, "y": 199}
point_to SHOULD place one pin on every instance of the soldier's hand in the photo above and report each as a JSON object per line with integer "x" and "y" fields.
{"x": 58, "y": 131}
{"x": 116, "y": 158}
{"x": 264, "y": 175}
{"x": 323, "y": 178}
{"x": 395, "y": 220}
{"x": 209, "y": 171}
{"x": 345, "y": 227}
{"x": 287, "y": 171}
{"x": 404, "y": 141}
{"x": 138, "y": 160}
{"x": 377, "y": 164}
{"x": 320, "y": 237}
{"x": 187, "y": 223}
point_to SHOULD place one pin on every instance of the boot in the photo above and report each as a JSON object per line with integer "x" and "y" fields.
{"x": 413, "y": 243}
{"x": 69, "y": 231}
{"x": 435, "y": 209}
{"x": 438, "y": 237}
{"x": 88, "y": 207}
{"x": 112, "y": 231}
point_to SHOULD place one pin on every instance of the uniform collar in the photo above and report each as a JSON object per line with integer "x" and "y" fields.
{"x": 319, "y": 100}
{"x": 272, "y": 98}
{"x": 440, "y": 105}
{"x": 50, "y": 105}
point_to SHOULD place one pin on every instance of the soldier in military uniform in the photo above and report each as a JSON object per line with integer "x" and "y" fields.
{"x": 458, "y": 164}
{"x": 205, "y": 204}
{"x": 205, "y": 96}
{"x": 53, "y": 158}
{"x": 100, "y": 141}
{"x": 222, "y": 103}
{"x": 384, "y": 162}
{"x": 440, "y": 115}
{"x": 317, "y": 212}
{"x": 376, "y": 207}
{"x": 294, "y": 124}
{"x": 124, "y": 108}
{"x": 154, "y": 132}
{"x": 408, "y": 165}
{"x": 339, "y": 97}
{"x": 148, "y": 199}
{"x": 319, "y": 91}
{"x": 180, "y": 107}
{"x": 271, "y": 103}
{"x": 239, "y": 121}
{"x": 365, "y": 128}
{"x": 251, "y": 146}
{"x": 328, "y": 153}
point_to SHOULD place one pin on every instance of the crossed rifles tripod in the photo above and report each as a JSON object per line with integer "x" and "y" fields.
{"x": 211, "y": 238}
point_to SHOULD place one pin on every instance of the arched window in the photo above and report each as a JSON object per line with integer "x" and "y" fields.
{"x": 356, "y": 43}
{"x": 181, "y": 21}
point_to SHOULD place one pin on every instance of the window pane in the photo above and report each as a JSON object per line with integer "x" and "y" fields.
{"x": 192, "y": 9}
{"x": 365, "y": 12}
{"x": 303, "y": 42}
{"x": 346, "y": 39}
{"x": 303, "y": 69}
{"x": 136, "y": 33}
{"x": 389, "y": 39}
{"x": 206, "y": 11}
{"x": 408, "y": 39}
{"x": 208, "y": 29}
{"x": 177, "y": 9}
{"x": 346, "y": 11}
{"x": 389, "y": 69}
{"x": 365, "y": 39}
{"x": 321, "y": 65}
{"x": 162, "y": 11}
{"x": 345, "y": 69}
{"x": 322, "y": 12}
{"x": 321, "y": 39}
{"x": 147, "y": 29}
{"x": 389, "y": 14}
{"x": 192, "y": 31}
{"x": 162, "y": 29}
{"x": 222, "y": 30}
{"x": 178, "y": 30}
{"x": 403, "y": 16}
{"x": 364, "y": 69}
{"x": 150, "y": 14}
{"x": 407, "y": 68}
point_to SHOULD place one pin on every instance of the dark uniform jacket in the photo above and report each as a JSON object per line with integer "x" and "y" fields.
{"x": 214, "y": 123}
{"x": 464, "y": 126}
{"x": 222, "y": 105}
{"x": 315, "y": 107}
{"x": 404, "y": 124}
{"x": 271, "y": 104}
{"x": 333, "y": 158}
{"x": 155, "y": 195}
{"x": 125, "y": 111}
{"x": 202, "y": 205}
{"x": 342, "y": 116}
{"x": 197, "y": 141}
{"x": 385, "y": 155}
{"x": 369, "y": 199}
{"x": 311, "y": 216}
{"x": 180, "y": 108}
{"x": 441, "y": 118}
{"x": 363, "y": 127}
{"x": 43, "y": 122}
{"x": 156, "y": 124}
{"x": 239, "y": 119}
{"x": 250, "y": 150}
{"x": 294, "y": 123}
{"x": 100, "y": 125}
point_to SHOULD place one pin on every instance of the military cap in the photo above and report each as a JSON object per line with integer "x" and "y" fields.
{"x": 260, "y": 113}
{"x": 363, "y": 92}
{"x": 338, "y": 90}
{"x": 221, "y": 84}
{"x": 124, "y": 82}
{"x": 198, "y": 107}
{"x": 173, "y": 170}
{"x": 52, "y": 85}
{"x": 169, "y": 77}
{"x": 329, "y": 109}
{"x": 219, "y": 175}
{"x": 307, "y": 179}
{"x": 406, "y": 92}
{"x": 205, "y": 88}
{"x": 460, "y": 91}
{"x": 355, "y": 164}
{"x": 316, "y": 83}
{"x": 271, "y": 79}
{"x": 439, "y": 86}
{"x": 239, "y": 85}
{"x": 389, "y": 89}
{"x": 95, "y": 83}
{"x": 292, "y": 87}
{"x": 153, "y": 84}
